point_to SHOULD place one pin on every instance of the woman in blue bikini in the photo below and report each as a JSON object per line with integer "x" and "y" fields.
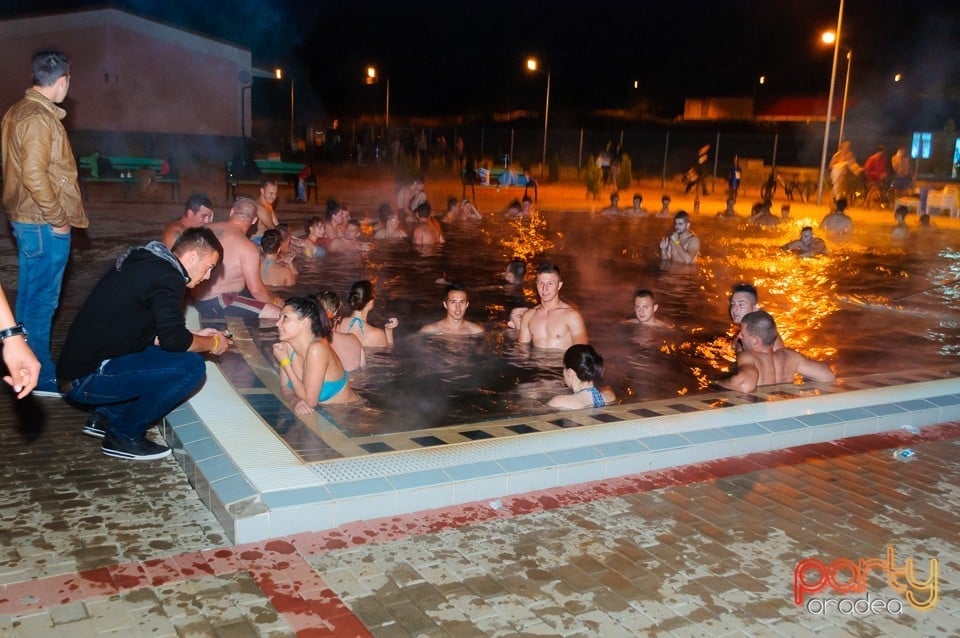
{"x": 361, "y": 303}
{"x": 583, "y": 373}
{"x": 310, "y": 370}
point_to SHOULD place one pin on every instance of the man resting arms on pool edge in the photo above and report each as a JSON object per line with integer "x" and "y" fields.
{"x": 759, "y": 364}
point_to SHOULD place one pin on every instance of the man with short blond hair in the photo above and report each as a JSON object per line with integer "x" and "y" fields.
{"x": 553, "y": 323}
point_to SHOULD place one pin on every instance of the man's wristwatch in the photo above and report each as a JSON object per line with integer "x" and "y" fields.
{"x": 16, "y": 331}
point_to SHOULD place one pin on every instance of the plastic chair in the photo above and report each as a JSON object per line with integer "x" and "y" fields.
{"x": 949, "y": 201}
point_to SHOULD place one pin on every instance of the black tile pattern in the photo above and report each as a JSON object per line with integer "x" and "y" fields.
{"x": 427, "y": 441}
{"x": 476, "y": 435}
{"x": 521, "y": 428}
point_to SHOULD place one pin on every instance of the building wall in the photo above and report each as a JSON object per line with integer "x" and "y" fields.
{"x": 131, "y": 75}
{"x": 718, "y": 108}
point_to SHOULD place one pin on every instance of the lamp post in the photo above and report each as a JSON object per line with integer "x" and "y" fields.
{"x": 532, "y": 65}
{"x": 373, "y": 79}
{"x": 278, "y": 73}
{"x": 243, "y": 110}
{"x": 826, "y": 124}
{"x": 846, "y": 89}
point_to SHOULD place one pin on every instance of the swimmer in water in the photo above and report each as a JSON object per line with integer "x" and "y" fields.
{"x": 583, "y": 373}
{"x": 759, "y": 363}
{"x": 744, "y": 300}
{"x": 455, "y": 302}
{"x": 645, "y": 311}
{"x": 553, "y": 323}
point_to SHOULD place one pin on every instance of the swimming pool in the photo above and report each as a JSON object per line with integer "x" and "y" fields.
{"x": 868, "y": 305}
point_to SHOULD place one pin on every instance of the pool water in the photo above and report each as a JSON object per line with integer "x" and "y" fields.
{"x": 867, "y": 306}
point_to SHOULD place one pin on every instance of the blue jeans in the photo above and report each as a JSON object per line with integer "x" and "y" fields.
{"x": 43, "y": 256}
{"x": 135, "y": 390}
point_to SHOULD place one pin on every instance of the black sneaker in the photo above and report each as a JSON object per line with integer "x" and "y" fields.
{"x": 141, "y": 449}
{"x": 97, "y": 425}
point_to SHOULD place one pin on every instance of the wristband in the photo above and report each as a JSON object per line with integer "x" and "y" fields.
{"x": 216, "y": 343}
{"x": 15, "y": 331}
{"x": 284, "y": 362}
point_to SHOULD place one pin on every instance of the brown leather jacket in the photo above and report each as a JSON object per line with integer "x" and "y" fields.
{"x": 39, "y": 170}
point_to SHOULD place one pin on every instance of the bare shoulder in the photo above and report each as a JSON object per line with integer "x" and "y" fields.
{"x": 431, "y": 328}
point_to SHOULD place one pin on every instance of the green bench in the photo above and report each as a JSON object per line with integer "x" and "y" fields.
{"x": 127, "y": 170}
{"x": 471, "y": 179}
{"x": 282, "y": 172}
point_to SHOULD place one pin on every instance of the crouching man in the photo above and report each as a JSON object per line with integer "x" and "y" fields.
{"x": 128, "y": 355}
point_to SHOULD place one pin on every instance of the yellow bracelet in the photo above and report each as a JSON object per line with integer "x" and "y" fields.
{"x": 216, "y": 343}
{"x": 284, "y": 362}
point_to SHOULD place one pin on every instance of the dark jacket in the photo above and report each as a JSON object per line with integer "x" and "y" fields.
{"x": 39, "y": 170}
{"x": 138, "y": 300}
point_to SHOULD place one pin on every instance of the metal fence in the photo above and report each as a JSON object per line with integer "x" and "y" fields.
{"x": 654, "y": 151}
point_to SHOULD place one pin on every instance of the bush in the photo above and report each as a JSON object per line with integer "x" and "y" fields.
{"x": 553, "y": 168}
{"x": 593, "y": 177}
{"x": 625, "y": 176}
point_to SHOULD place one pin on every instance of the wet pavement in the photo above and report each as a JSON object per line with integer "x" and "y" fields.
{"x": 92, "y": 545}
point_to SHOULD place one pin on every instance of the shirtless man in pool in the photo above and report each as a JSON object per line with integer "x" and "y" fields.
{"x": 744, "y": 300}
{"x": 759, "y": 363}
{"x": 553, "y": 323}
{"x": 681, "y": 245}
{"x": 455, "y": 302}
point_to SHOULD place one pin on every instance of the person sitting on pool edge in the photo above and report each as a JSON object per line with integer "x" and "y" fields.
{"x": 310, "y": 370}
{"x": 455, "y": 302}
{"x": 760, "y": 364}
{"x": 645, "y": 311}
{"x": 361, "y": 302}
{"x": 583, "y": 373}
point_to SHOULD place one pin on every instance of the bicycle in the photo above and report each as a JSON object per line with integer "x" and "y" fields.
{"x": 791, "y": 183}
{"x": 881, "y": 194}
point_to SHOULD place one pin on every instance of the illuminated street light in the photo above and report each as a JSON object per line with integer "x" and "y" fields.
{"x": 532, "y": 66}
{"x": 828, "y": 38}
{"x": 897, "y": 77}
{"x": 373, "y": 78}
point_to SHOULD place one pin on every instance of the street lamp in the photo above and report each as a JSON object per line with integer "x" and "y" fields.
{"x": 373, "y": 79}
{"x": 278, "y": 73}
{"x": 532, "y": 66}
{"x": 833, "y": 81}
{"x": 846, "y": 89}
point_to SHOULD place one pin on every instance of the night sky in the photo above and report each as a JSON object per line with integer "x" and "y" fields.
{"x": 468, "y": 57}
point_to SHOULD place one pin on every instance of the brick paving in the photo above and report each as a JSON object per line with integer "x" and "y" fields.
{"x": 94, "y": 546}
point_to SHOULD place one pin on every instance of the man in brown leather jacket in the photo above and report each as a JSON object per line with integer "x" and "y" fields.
{"x": 42, "y": 199}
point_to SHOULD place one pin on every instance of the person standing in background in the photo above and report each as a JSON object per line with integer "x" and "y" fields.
{"x": 42, "y": 197}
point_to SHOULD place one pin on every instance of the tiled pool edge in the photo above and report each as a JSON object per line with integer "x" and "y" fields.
{"x": 257, "y": 489}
